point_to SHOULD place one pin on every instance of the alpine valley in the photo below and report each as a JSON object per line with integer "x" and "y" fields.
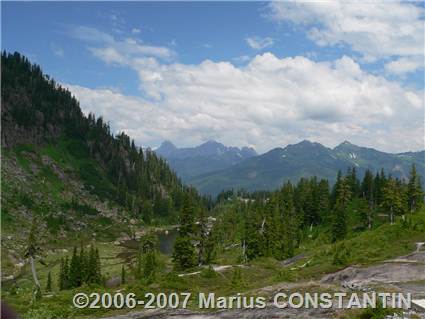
{"x": 84, "y": 210}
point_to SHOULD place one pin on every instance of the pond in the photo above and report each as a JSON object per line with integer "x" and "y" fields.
{"x": 166, "y": 239}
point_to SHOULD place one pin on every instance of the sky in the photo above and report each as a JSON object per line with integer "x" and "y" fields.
{"x": 259, "y": 74}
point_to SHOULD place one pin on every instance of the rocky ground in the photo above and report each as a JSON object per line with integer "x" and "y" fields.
{"x": 405, "y": 274}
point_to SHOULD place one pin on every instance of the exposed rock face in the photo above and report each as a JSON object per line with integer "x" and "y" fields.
{"x": 403, "y": 269}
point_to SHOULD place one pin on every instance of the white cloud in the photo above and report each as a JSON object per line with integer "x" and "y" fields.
{"x": 117, "y": 51}
{"x": 404, "y": 65}
{"x": 258, "y": 43}
{"x": 267, "y": 103}
{"x": 376, "y": 29}
{"x": 136, "y": 31}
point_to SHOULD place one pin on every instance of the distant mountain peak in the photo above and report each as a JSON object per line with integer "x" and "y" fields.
{"x": 166, "y": 149}
{"x": 346, "y": 145}
{"x": 209, "y": 156}
{"x": 167, "y": 143}
{"x": 211, "y": 142}
{"x": 304, "y": 144}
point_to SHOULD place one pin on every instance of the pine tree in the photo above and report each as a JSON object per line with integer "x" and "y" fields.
{"x": 184, "y": 252}
{"x": 64, "y": 274}
{"x": 270, "y": 230}
{"x": 353, "y": 182}
{"x": 253, "y": 240}
{"x": 94, "y": 275}
{"x": 75, "y": 270}
{"x": 415, "y": 194}
{"x": 49, "y": 282}
{"x": 392, "y": 198}
{"x": 322, "y": 200}
{"x": 339, "y": 223}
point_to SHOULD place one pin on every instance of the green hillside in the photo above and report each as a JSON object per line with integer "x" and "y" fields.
{"x": 305, "y": 159}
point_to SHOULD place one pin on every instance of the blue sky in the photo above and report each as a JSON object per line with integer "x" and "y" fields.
{"x": 244, "y": 73}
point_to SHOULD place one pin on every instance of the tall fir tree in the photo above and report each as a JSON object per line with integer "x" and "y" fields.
{"x": 415, "y": 194}
{"x": 392, "y": 199}
{"x": 75, "y": 269}
{"x": 339, "y": 220}
{"x": 184, "y": 251}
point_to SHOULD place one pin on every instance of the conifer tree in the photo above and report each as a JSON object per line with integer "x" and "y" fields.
{"x": 367, "y": 188}
{"x": 415, "y": 194}
{"x": 353, "y": 182}
{"x": 289, "y": 223}
{"x": 64, "y": 274}
{"x": 184, "y": 252}
{"x": 339, "y": 223}
{"x": 253, "y": 236}
{"x": 75, "y": 270}
{"x": 270, "y": 230}
{"x": 392, "y": 198}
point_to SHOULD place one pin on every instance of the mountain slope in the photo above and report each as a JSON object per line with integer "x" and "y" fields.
{"x": 56, "y": 157}
{"x": 305, "y": 159}
{"x": 207, "y": 157}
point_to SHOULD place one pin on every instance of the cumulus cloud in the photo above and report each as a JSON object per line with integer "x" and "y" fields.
{"x": 259, "y": 43}
{"x": 268, "y": 102}
{"x": 376, "y": 29}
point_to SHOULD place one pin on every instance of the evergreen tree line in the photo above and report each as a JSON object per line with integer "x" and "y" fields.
{"x": 274, "y": 225}
{"x": 143, "y": 182}
{"x": 82, "y": 268}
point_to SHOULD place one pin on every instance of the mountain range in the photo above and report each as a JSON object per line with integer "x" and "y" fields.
{"x": 208, "y": 157}
{"x": 213, "y": 167}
